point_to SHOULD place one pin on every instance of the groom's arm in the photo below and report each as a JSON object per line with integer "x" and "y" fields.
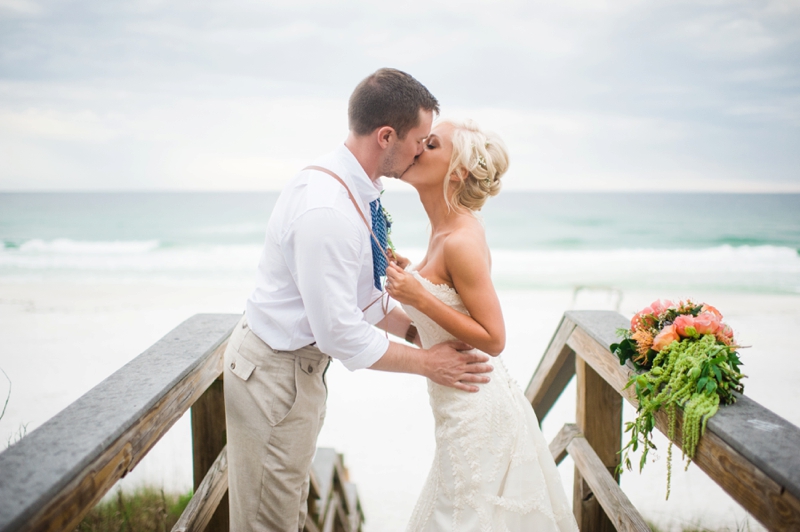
{"x": 397, "y": 323}
{"x": 442, "y": 363}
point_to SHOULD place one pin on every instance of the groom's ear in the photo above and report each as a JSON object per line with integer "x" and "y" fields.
{"x": 384, "y": 135}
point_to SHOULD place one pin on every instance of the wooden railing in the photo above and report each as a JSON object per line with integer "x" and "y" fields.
{"x": 56, "y": 474}
{"x": 52, "y": 478}
{"x": 751, "y": 452}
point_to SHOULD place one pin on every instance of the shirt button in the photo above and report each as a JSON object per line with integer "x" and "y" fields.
{"x": 310, "y": 368}
{"x": 233, "y": 365}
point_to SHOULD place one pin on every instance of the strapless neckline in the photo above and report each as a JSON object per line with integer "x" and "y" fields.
{"x": 418, "y": 275}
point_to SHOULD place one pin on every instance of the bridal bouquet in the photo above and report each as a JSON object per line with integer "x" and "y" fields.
{"x": 687, "y": 359}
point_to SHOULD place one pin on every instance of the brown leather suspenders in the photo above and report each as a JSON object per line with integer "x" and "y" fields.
{"x": 355, "y": 204}
{"x": 364, "y": 218}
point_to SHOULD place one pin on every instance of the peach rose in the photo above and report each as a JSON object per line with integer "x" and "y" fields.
{"x": 684, "y": 322}
{"x": 639, "y": 318}
{"x": 726, "y": 330}
{"x": 706, "y": 323}
{"x": 660, "y": 305}
{"x": 712, "y": 310}
{"x": 665, "y": 337}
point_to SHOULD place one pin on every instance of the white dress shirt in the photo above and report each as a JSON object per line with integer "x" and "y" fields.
{"x": 315, "y": 273}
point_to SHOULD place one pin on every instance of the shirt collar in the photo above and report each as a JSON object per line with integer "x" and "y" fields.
{"x": 367, "y": 189}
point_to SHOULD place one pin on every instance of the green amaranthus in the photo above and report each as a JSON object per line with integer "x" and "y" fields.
{"x": 695, "y": 375}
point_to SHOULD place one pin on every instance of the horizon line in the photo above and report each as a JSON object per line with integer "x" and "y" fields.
{"x": 394, "y": 191}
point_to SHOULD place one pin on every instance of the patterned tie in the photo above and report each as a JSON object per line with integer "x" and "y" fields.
{"x": 379, "y": 263}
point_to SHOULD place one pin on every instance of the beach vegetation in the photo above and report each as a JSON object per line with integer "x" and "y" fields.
{"x": 23, "y": 428}
{"x": 8, "y": 395}
{"x": 146, "y": 509}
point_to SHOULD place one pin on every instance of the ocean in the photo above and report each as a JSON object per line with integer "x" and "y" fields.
{"x": 539, "y": 240}
{"x": 90, "y": 280}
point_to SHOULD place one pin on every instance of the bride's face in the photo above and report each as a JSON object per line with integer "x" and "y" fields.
{"x": 432, "y": 164}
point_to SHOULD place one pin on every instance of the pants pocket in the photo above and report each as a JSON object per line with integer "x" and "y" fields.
{"x": 239, "y": 365}
{"x": 283, "y": 384}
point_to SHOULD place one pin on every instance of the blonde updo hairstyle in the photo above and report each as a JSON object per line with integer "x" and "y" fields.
{"x": 480, "y": 158}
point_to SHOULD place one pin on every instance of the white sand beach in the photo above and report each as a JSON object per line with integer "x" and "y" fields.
{"x": 60, "y": 338}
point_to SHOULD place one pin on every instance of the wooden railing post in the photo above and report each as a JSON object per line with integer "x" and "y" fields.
{"x": 208, "y": 439}
{"x": 599, "y": 417}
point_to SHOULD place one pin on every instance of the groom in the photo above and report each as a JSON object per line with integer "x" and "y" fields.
{"x": 318, "y": 280}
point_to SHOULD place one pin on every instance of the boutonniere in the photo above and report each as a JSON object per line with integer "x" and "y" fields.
{"x": 388, "y": 218}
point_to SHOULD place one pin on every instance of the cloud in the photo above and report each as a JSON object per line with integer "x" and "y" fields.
{"x": 623, "y": 95}
{"x": 50, "y": 124}
{"x": 19, "y": 8}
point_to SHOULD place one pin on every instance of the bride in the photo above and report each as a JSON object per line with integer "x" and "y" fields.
{"x": 492, "y": 469}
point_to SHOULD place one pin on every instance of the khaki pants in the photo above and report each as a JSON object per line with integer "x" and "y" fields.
{"x": 275, "y": 407}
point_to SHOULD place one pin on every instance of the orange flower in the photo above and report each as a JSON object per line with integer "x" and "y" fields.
{"x": 644, "y": 341}
{"x": 665, "y": 337}
{"x": 712, "y": 310}
{"x": 724, "y": 334}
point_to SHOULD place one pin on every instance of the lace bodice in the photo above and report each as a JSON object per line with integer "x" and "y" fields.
{"x": 430, "y": 332}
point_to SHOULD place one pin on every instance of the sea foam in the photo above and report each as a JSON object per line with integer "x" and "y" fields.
{"x": 749, "y": 268}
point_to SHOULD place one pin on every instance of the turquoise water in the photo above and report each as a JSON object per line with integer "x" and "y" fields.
{"x": 514, "y": 220}
{"x": 539, "y": 240}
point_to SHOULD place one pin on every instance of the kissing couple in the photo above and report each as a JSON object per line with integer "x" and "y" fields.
{"x": 319, "y": 297}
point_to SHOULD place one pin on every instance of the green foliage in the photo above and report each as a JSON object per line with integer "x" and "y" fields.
{"x": 22, "y": 431}
{"x": 626, "y": 350}
{"x": 8, "y": 396}
{"x": 389, "y": 222}
{"x": 147, "y": 509}
{"x": 693, "y": 375}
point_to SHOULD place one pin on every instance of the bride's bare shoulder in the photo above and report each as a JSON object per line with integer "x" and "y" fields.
{"x": 467, "y": 240}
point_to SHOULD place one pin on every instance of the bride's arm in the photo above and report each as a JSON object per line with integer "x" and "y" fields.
{"x": 397, "y": 323}
{"x": 469, "y": 269}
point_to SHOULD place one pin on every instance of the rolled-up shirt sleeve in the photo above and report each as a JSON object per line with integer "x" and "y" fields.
{"x": 323, "y": 247}
{"x": 381, "y": 305}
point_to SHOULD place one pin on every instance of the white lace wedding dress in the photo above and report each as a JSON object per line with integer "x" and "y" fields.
{"x": 492, "y": 470}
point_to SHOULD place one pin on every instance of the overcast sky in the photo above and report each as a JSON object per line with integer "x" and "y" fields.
{"x": 238, "y": 95}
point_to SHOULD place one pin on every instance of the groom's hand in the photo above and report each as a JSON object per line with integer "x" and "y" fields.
{"x": 452, "y": 364}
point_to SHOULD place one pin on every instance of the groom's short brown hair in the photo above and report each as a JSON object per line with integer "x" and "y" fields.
{"x": 391, "y": 98}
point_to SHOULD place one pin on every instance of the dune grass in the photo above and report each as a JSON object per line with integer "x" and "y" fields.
{"x": 146, "y": 509}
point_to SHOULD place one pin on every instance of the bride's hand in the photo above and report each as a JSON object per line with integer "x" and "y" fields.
{"x": 402, "y": 286}
{"x": 399, "y": 259}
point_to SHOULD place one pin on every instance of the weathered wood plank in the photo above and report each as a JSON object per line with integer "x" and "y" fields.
{"x": 601, "y": 360}
{"x": 330, "y": 513}
{"x": 761, "y": 473}
{"x": 555, "y": 369}
{"x": 342, "y": 519}
{"x": 558, "y": 447}
{"x": 599, "y": 417}
{"x": 601, "y": 325}
{"x": 310, "y": 525}
{"x": 764, "y": 438}
{"x": 341, "y": 479}
{"x": 208, "y": 441}
{"x": 331, "y": 477}
{"x": 54, "y": 475}
{"x": 315, "y": 504}
{"x": 207, "y": 496}
{"x": 356, "y": 517}
{"x": 616, "y": 505}
{"x": 324, "y": 468}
